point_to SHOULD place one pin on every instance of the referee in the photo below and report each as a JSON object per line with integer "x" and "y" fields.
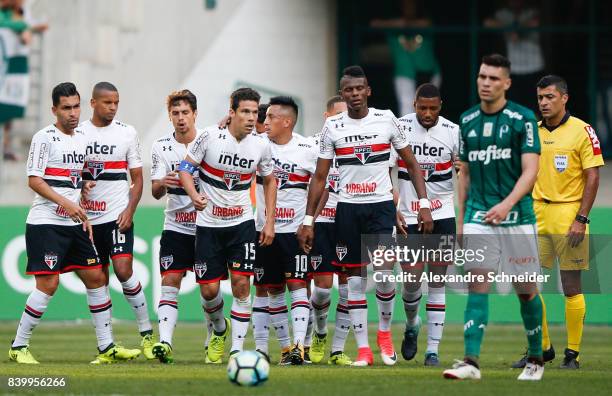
{"x": 563, "y": 196}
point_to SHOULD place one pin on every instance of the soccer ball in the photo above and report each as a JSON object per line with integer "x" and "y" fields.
{"x": 248, "y": 368}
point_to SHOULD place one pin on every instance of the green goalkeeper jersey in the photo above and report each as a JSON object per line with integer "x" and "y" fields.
{"x": 492, "y": 145}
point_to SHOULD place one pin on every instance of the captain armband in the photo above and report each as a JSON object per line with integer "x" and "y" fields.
{"x": 187, "y": 166}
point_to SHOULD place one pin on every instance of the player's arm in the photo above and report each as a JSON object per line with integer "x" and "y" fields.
{"x": 322, "y": 203}
{"x": 124, "y": 221}
{"x": 315, "y": 191}
{"x": 267, "y": 232}
{"x": 424, "y": 219}
{"x": 463, "y": 186}
{"x": 400, "y": 223}
{"x": 591, "y": 185}
{"x": 40, "y": 186}
{"x": 523, "y": 186}
{"x": 186, "y": 170}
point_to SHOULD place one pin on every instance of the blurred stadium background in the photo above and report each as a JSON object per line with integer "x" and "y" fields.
{"x": 149, "y": 48}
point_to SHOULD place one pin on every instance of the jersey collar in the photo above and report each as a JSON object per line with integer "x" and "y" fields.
{"x": 563, "y": 121}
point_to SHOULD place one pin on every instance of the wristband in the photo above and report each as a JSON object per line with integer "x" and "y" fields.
{"x": 308, "y": 221}
{"x": 187, "y": 166}
{"x": 424, "y": 203}
{"x": 582, "y": 219}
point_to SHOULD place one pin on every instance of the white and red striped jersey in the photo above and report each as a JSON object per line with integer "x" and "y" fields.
{"x": 362, "y": 148}
{"x": 227, "y": 167}
{"x": 294, "y": 164}
{"x": 434, "y": 149}
{"x": 328, "y": 213}
{"x": 112, "y": 150}
{"x": 58, "y": 158}
{"x": 166, "y": 156}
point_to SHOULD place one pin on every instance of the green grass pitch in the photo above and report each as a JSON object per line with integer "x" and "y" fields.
{"x": 66, "y": 349}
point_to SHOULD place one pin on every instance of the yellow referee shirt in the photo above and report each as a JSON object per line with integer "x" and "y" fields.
{"x": 567, "y": 150}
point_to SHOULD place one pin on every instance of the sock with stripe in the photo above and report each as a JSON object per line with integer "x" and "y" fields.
{"x": 132, "y": 290}
{"x": 531, "y": 312}
{"x": 358, "y": 309}
{"x": 240, "y": 317}
{"x": 207, "y": 323}
{"x": 575, "y": 311}
{"x": 300, "y": 312}
{"x": 475, "y": 321}
{"x": 35, "y": 307}
{"x": 411, "y": 299}
{"x": 385, "y": 299}
{"x": 279, "y": 318}
{"x": 167, "y": 313}
{"x": 545, "y": 336}
{"x": 214, "y": 313}
{"x": 320, "y": 301}
{"x": 309, "y": 329}
{"x": 436, "y": 313}
{"x": 100, "y": 308}
{"x": 343, "y": 320}
{"x": 261, "y": 323}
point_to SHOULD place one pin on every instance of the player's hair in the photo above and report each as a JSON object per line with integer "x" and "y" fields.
{"x": 551, "y": 79}
{"x": 63, "y": 89}
{"x": 261, "y": 112}
{"x": 355, "y": 71}
{"x": 427, "y": 90}
{"x": 183, "y": 95}
{"x": 496, "y": 60}
{"x": 285, "y": 101}
{"x": 332, "y": 101}
{"x": 102, "y": 86}
{"x": 243, "y": 94}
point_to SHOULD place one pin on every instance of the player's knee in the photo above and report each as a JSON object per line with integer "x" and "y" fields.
{"x": 47, "y": 284}
{"x": 276, "y": 290}
{"x": 94, "y": 279}
{"x": 412, "y": 287}
{"x": 240, "y": 286}
{"x": 324, "y": 282}
{"x": 209, "y": 292}
{"x": 123, "y": 269}
{"x": 172, "y": 279}
{"x": 261, "y": 291}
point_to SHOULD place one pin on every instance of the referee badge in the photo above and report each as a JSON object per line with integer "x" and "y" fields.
{"x": 561, "y": 162}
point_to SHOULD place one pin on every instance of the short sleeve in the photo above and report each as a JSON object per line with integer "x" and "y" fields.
{"x": 266, "y": 165}
{"x": 134, "y": 154}
{"x": 312, "y": 160}
{"x": 393, "y": 158}
{"x": 197, "y": 149}
{"x": 158, "y": 167}
{"x": 462, "y": 150}
{"x": 455, "y": 139}
{"x": 399, "y": 139}
{"x": 38, "y": 155}
{"x": 590, "y": 149}
{"x": 530, "y": 141}
{"x": 326, "y": 145}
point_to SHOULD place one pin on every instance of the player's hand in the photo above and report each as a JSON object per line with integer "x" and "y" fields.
{"x": 124, "y": 221}
{"x": 497, "y": 213}
{"x": 266, "y": 236}
{"x": 199, "y": 202}
{"x": 225, "y": 121}
{"x": 425, "y": 221}
{"x": 88, "y": 229}
{"x": 87, "y": 187}
{"x": 400, "y": 224}
{"x": 171, "y": 180}
{"x": 576, "y": 232}
{"x": 305, "y": 238}
{"x": 75, "y": 212}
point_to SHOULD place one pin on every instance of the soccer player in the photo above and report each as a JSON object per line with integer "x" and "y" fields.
{"x": 435, "y": 143}
{"x": 282, "y": 265}
{"x": 112, "y": 153}
{"x": 499, "y": 150}
{"x": 177, "y": 244}
{"x": 58, "y": 234}
{"x": 360, "y": 140}
{"x": 564, "y": 194}
{"x": 225, "y": 230}
{"x": 321, "y": 257}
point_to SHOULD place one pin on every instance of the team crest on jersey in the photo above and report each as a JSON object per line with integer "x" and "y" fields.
{"x": 231, "y": 179}
{"x": 51, "y": 260}
{"x": 166, "y": 261}
{"x": 95, "y": 168}
{"x": 487, "y": 129}
{"x": 333, "y": 181}
{"x": 363, "y": 153}
{"x": 259, "y": 273}
{"x": 200, "y": 269}
{"x": 281, "y": 177}
{"x": 341, "y": 251}
{"x": 561, "y": 162}
{"x": 427, "y": 170}
{"x": 75, "y": 177}
{"x": 316, "y": 261}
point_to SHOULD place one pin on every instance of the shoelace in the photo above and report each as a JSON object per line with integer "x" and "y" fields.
{"x": 459, "y": 363}
{"x": 386, "y": 345}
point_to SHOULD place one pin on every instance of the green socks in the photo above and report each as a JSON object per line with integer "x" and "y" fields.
{"x": 531, "y": 311}
{"x": 476, "y": 319}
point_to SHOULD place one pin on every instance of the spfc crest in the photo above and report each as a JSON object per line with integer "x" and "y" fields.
{"x": 166, "y": 261}
{"x": 75, "y": 177}
{"x": 259, "y": 273}
{"x": 363, "y": 153}
{"x": 333, "y": 181}
{"x": 315, "y": 261}
{"x": 561, "y": 162}
{"x": 427, "y": 170}
{"x": 231, "y": 179}
{"x": 341, "y": 251}
{"x": 51, "y": 260}
{"x": 281, "y": 176}
{"x": 199, "y": 269}
{"x": 95, "y": 168}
